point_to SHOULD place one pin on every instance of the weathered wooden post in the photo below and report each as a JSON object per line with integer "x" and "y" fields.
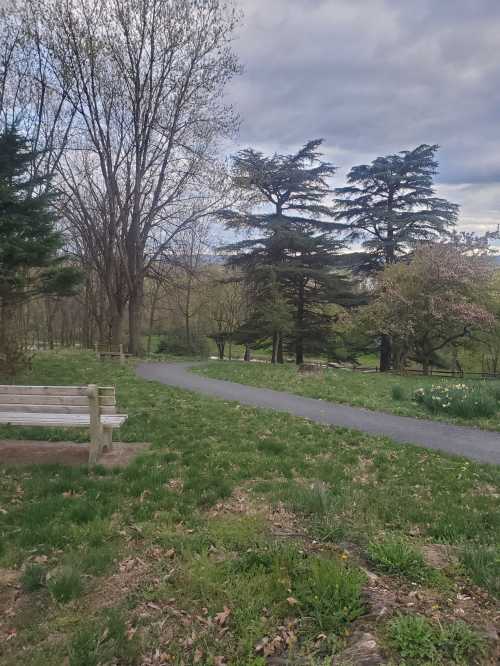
{"x": 107, "y": 439}
{"x": 97, "y": 350}
{"x": 122, "y": 356}
{"x": 95, "y": 424}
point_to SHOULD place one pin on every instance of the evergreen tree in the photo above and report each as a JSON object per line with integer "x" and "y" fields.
{"x": 270, "y": 317}
{"x": 293, "y": 245}
{"x": 29, "y": 241}
{"x": 391, "y": 205}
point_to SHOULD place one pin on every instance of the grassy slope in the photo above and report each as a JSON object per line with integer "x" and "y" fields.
{"x": 372, "y": 391}
{"x": 256, "y": 516}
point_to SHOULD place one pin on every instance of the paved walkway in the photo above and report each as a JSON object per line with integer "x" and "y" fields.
{"x": 473, "y": 443}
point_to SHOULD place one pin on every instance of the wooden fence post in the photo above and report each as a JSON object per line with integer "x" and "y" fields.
{"x": 122, "y": 356}
{"x": 95, "y": 424}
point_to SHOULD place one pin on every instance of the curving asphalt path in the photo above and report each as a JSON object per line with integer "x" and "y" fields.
{"x": 481, "y": 445}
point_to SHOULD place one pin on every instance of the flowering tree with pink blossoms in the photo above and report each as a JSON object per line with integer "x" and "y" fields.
{"x": 433, "y": 301}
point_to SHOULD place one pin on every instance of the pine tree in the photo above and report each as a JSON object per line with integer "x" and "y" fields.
{"x": 270, "y": 317}
{"x": 294, "y": 242}
{"x": 391, "y": 205}
{"x": 29, "y": 240}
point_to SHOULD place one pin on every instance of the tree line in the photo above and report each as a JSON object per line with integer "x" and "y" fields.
{"x": 381, "y": 252}
{"x": 111, "y": 177}
{"x": 121, "y": 102}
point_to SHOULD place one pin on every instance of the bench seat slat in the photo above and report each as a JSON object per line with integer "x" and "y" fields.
{"x": 53, "y": 409}
{"x": 72, "y": 400}
{"x": 44, "y": 390}
{"x": 60, "y": 420}
{"x": 22, "y": 399}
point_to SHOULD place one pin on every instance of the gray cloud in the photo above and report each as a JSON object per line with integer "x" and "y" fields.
{"x": 378, "y": 76}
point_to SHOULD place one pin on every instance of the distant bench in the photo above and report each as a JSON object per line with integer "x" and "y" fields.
{"x": 118, "y": 352}
{"x": 66, "y": 407}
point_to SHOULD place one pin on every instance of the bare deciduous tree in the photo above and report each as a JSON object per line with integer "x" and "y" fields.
{"x": 144, "y": 80}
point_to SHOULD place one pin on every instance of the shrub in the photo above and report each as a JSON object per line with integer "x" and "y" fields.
{"x": 458, "y": 400}
{"x": 65, "y": 584}
{"x": 33, "y": 577}
{"x": 174, "y": 343}
{"x": 398, "y": 393}
{"x": 398, "y": 557}
{"x": 330, "y": 594}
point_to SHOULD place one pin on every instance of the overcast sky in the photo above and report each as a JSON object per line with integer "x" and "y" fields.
{"x": 373, "y": 77}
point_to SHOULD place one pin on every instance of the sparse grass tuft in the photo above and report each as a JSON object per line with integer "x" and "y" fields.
{"x": 330, "y": 594}
{"x": 104, "y": 641}
{"x": 33, "y": 577}
{"x": 482, "y": 565}
{"x": 414, "y": 637}
{"x": 65, "y": 584}
{"x": 461, "y": 644}
{"x": 395, "y": 556}
{"x": 398, "y": 393}
{"x": 420, "y": 641}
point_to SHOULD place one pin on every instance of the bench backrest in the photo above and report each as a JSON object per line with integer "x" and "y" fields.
{"x": 55, "y": 399}
{"x": 108, "y": 348}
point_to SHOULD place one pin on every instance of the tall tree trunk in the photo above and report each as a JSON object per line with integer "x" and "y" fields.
{"x": 390, "y": 258}
{"x": 274, "y": 353}
{"x": 50, "y": 323}
{"x": 116, "y": 313}
{"x": 280, "y": 357}
{"x": 86, "y": 330}
{"x": 385, "y": 353}
{"x": 425, "y": 366}
{"x": 135, "y": 312}
{"x": 221, "y": 346}
{"x": 299, "y": 352}
{"x": 299, "y": 327}
{"x": 247, "y": 355}
{"x": 187, "y": 313}
{"x": 152, "y": 313}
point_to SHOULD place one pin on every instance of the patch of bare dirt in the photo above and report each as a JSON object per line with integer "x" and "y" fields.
{"x": 284, "y": 523}
{"x": 365, "y": 472}
{"x": 363, "y": 651}
{"x": 239, "y": 502}
{"x": 31, "y": 452}
{"x": 133, "y": 572}
{"x": 8, "y": 596}
{"x": 487, "y": 490}
{"x": 438, "y": 555}
{"x": 8, "y": 577}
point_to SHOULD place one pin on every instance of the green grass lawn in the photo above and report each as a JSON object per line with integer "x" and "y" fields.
{"x": 241, "y": 535}
{"x": 369, "y": 390}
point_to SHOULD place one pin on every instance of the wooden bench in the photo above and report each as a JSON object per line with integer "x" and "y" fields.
{"x": 89, "y": 406}
{"x": 102, "y": 353}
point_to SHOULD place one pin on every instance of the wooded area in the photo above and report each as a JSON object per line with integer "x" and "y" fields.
{"x": 112, "y": 157}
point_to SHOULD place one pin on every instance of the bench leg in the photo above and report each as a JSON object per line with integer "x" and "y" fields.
{"x": 95, "y": 449}
{"x": 107, "y": 439}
